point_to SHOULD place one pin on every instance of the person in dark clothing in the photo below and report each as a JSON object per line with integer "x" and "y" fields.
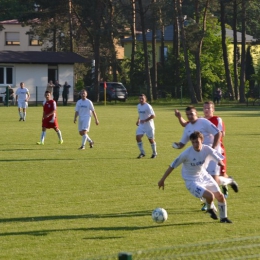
{"x": 56, "y": 91}
{"x": 9, "y": 95}
{"x": 65, "y": 93}
{"x": 217, "y": 95}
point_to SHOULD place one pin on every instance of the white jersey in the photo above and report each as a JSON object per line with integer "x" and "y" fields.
{"x": 144, "y": 112}
{"x": 22, "y": 93}
{"x": 193, "y": 162}
{"x": 84, "y": 108}
{"x": 202, "y": 125}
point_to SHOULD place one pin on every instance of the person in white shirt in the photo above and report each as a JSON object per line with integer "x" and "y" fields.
{"x": 22, "y": 97}
{"x": 197, "y": 180}
{"x": 146, "y": 126}
{"x": 84, "y": 109}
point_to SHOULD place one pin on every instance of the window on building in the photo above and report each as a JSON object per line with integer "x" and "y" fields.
{"x": 6, "y": 75}
{"x": 34, "y": 40}
{"x": 12, "y": 38}
{"x": 165, "y": 53}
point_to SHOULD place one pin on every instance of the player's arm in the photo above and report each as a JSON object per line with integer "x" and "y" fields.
{"x": 166, "y": 174}
{"x": 75, "y": 116}
{"x": 95, "y": 115}
{"x": 138, "y": 121}
{"x": 28, "y": 96}
{"x": 216, "y": 140}
{"x": 179, "y": 145}
{"x": 147, "y": 119}
{"x": 182, "y": 121}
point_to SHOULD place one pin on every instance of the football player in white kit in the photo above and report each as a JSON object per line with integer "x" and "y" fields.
{"x": 22, "y": 97}
{"x": 146, "y": 126}
{"x": 197, "y": 180}
{"x": 84, "y": 109}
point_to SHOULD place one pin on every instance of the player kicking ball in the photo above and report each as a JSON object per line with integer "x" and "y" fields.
{"x": 49, "y": 118}
{"x": 197, "y": 180}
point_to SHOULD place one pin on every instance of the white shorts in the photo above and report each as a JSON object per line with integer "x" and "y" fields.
{"x": 144, "y": 129}
{"x": 22, "y": 104}
{"x": 84, "y": 124}
{"x": 198, "y": 187}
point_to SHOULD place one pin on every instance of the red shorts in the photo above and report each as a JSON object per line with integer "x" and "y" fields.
{"x": 47, "y": 124}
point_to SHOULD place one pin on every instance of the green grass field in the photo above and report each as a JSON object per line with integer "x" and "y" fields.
{"x": 61, "y": 203}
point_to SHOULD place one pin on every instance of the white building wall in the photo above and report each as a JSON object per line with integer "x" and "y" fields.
{"x": 34, "y": 77}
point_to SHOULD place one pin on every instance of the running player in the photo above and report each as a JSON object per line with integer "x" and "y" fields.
{"x": 145, "y": 126}
{"x": 197, "y": 180}
{"x": 49, "y": 118}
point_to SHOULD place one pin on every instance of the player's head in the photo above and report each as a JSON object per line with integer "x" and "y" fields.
{"x": 196, "y": 139}
{"x": 22, "y": 84}
{"x": 208, "y": 109}
{"x": 191, "y": 114}
{"x": 83, "y": 93}
{"x": 142, "y": 98}
{"x": 47, "y": 94}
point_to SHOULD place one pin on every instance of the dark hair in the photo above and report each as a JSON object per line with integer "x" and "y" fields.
{"x": 142, "y": 95}
{"x": 196, "y": 135}
{"x": 47, "y": 91}
{"x": 189, "y": 108}
{"x": 209, "y": 103}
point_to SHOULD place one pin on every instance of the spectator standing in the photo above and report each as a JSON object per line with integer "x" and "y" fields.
{"x": 56, "y": 91}
{"x": 217, "y": 96}
{"x": 145, "y": 126}
{"x": 22, "y": 97}
{"x": 65, "y": 93}
{"x": 49, "y": 118}
{"x": 50, "y": 87}
{"x": 84, "y": 109}
{"x": 9, "y": 95}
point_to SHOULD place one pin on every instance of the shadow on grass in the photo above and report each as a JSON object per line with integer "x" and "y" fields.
{"x": 110, "y": 228}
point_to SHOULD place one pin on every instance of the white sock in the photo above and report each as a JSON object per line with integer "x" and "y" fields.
{"x": 222, "y": 207}
{"x": 224, "y": 181}
{"x": 21, "y": 114}
{"x": 84, "y": 139}
{"x": 154, "y": 148}
{"x": 24, "y": 115}
{"x": 43, "y": 136}
{"x": 140, "y": 146}
{"x": 59, "y": 134}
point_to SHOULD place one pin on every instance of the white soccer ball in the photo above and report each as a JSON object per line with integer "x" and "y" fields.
{"x": 159, "y": 215}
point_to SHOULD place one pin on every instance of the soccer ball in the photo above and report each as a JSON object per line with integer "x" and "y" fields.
{"x": 159, "y": 215}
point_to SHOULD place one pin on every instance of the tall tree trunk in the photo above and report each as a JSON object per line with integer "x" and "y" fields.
{"x": 187, "y": 65}
{"x": 154, "y": 67}
{"x": 242, "y": 98}
{"x": 176, "y": 91}
{"x": 146, "y": 55}
{"x": 224, "y": 49}
{"x": 198, "y": 87}
{"x": 236, "y": 50}
{"x": 70, "y": 26}
{"x": 133, "y": 32}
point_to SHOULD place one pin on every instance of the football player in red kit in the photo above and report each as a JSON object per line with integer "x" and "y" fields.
{"x": 49, "y": 118}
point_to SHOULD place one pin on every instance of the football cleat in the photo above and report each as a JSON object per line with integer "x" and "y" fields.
{"x": 141, "y": 155}
{"x": 225, "y": 191}
{"x": 82, "y": 147}
{"x": 40, "y": 143}
{"x": 212, "y": 213}
{"x": 60, "y": 142}
{"x": 20, "y": 119}
{"x": 91, "y": 144}
{"x": 225, "y": 220}
{"x": 204, "y": 207}
{"x": 153, "y": 156}
{"x": 234, "y": 185}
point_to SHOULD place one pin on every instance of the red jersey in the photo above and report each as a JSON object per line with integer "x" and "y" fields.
{"x": 50, "y": 121}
